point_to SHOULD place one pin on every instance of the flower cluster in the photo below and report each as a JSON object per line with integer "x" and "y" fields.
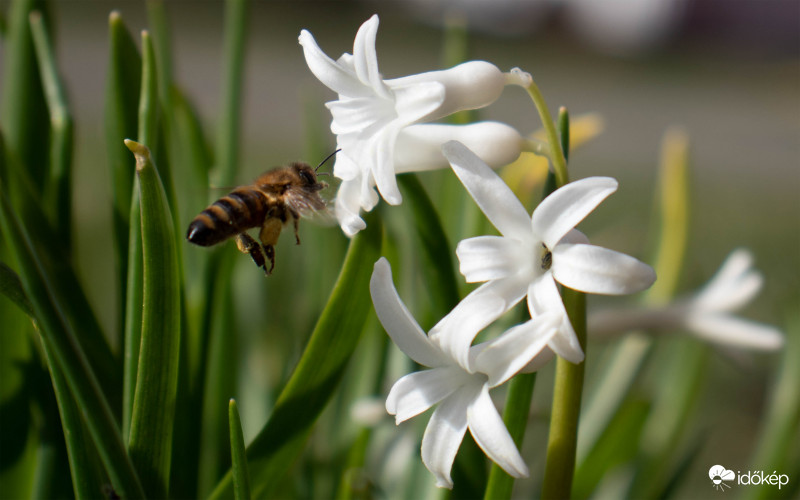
{"x": 382, "y": 129}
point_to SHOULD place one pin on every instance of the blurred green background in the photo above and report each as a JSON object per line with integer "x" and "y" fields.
{"x": 728, "y": 73}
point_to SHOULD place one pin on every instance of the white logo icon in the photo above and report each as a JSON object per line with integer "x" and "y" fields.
{"x": 718, "y": 474}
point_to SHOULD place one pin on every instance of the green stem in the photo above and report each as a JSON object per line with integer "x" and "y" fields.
{"x": 557, "y": 156}
{"x": 568, "y": 389}
{"x": 563, "y": 438}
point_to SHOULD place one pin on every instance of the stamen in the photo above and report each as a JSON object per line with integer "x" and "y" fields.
{"x": 547, "y": 258}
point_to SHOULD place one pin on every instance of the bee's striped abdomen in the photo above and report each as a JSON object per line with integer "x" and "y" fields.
{"x": 239, "y": 211}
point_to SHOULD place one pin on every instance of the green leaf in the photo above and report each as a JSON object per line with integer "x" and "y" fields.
{"x": 86, "y": 479}
{"x": 438, "y": 265}
{"x": 123, "y": 84}
{"x": 147, "y": 133}
{"x": 134, "y": 297}
{"x": 616, "y": 445}
{"x": 673, "y": 215}
{"x": 67, "y": 289}
{"x": 11, "y": 287}
{"x": 58, "y": 333}
{"x": 165, "y": 151}
{"x": 241, "y": 478}
{"x": 152, "y": 421}
{"x": 148, "y": 98}
{"x": 58, "y": 182}
{"x": 319, "y": 370}
{"x": 24, "y": 112}
{"x": 684, "y": 364}
{"x": 233, "y": 59}
{"x": 219, "y": 379}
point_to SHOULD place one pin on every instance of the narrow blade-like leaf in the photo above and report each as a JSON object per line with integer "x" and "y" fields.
{"x": 152, "y": 420}
{"x": 58, "y": 181}
{"x": 319, "y": 371}
{"x": 62, "y": 340}
{"x": 121, "y": 107}
{"x": 241, "y": 477}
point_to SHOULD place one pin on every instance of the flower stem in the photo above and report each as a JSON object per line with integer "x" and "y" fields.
{"x": 557, "y": 155}
{"x": 560, "y": 464}
{"x": 563, "y": 439}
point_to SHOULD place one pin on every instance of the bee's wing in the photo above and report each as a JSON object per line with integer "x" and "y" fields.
{"x": 310, "y": 206}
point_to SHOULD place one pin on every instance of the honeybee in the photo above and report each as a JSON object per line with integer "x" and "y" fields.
{"x": 278, "y": 197}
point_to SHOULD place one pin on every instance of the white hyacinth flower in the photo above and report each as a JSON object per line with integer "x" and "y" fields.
{"x": 706, "y": 314}
{"x": 419, "y": 148}
{"x": 461, "y": 395}
{"x": 532, "y": 255}
{"x": 371, "y": 112}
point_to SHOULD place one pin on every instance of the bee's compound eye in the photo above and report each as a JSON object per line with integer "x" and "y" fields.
{"x": 307, "y": 177}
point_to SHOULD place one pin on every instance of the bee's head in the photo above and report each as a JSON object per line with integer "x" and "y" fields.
{"x": 308, "y": 177}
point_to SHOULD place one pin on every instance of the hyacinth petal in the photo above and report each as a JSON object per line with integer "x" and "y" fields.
{"x": 470, "y": 85}
{"x": 454, "y": 333}
{"x": 332, "y": 74}
{"x": 398, "y": 321}
{"x": 593, "y": 269}
{"x": 567, "y": 206}
{"x": 485, "y": 258}
{"x": 412, "y": 103}
{"x": 352, "y": 116}
{"x": 736, "y": 332}
{"x": 539, "y": 361}
{"x": 419, "y": 147}
{"x": 502, "y": 357}
{"x": 490, "y": 433}
{"x": 444, "y": 434}
{"x": 574, "y": 237}
{"x": 418, "y": 391}
{"x": 543, "y": 297}
{"x": 365, "y": 57}
{"x": 492, "y": 195}
{"x": 385, "y": 178}
{"x": 347, "y": 206}
{"x": 735, "y": 284}
{"x": 344, "y": 167}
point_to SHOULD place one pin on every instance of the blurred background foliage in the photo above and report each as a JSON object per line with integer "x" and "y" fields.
{"x": 728, "y": 73}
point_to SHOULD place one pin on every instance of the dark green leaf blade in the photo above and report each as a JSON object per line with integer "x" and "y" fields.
{"x": 152, "y": 420}
{"x": 319, "y": 371}
{"x": 57, "y": 332}
{"x": 241, "y": 477}
{"x": 123, "y": 83}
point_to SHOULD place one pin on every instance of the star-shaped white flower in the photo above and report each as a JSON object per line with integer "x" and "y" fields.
{"x": 706, "y": 314}
{"x": 462, "y": 395}
{"x": 533, "y": 253}
{"x": 370, "y": 113}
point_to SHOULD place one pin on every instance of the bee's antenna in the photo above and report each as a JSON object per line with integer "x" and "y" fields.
{"x": 323, "y": 162}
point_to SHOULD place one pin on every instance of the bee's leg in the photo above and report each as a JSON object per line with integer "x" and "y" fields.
{"x": 248, "y": 245}
{"x": 270, "y": 232}
{"x": 296, "y": 229}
